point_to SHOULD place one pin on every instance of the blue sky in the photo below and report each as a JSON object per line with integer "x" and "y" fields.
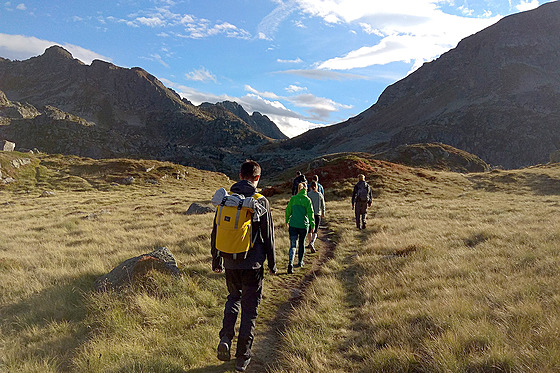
{"x": 303, "y": 63}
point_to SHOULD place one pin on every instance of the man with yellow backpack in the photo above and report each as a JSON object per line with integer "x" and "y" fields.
{"x": 242, "y": 239}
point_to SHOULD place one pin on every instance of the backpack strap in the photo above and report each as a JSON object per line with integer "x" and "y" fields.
{"x": 239, "y": 206}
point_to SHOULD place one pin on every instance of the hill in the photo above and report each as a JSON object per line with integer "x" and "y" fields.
{"x": 24, "y": 172}
{"x": 119, "y": 112}
{"x": 494, "y": 95}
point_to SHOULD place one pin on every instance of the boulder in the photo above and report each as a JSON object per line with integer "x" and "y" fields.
{"x": 7, "y": 146}
{"x": 135, "y": 269}
{"x": 197, "y": 209}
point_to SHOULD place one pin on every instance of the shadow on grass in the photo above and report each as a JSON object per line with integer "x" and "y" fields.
{"x": 543, "y": 184}
{"x": 48, "y": 325}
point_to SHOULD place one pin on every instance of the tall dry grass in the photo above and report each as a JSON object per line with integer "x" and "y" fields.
{"x": 459, "y": 279}
{"x": 453, "y": 274}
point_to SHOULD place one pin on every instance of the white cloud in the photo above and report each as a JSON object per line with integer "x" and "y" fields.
{"x": 320, "y": 107}
{"x": 323, "y": 74}
{"x": 297, "y": 60}
{"x": 201, "y": 75}
{"x": 465, "y": 10}
{"x": 289, "y": 122}
{"x": 186, "y": 25}
{"x": 527, "y": 5}
{"x": 410, "y": 30}
{"x": 151, "y": 21}
{"x": 21, "y": 6}
{"x": 20, "y": 47}
{"x": 294, "y": 88}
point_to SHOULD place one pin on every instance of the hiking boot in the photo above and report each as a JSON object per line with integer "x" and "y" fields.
{"x": 312, "y": 248}
{"x": 290, "y": 269}
{"x": 242, "y": 363}
{"x": 309, "y": 245}
{"x": 224, "y": 349}
{"x": 299, "y": 265}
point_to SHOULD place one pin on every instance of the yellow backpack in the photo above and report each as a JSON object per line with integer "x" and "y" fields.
{"x": 234, "y": 218}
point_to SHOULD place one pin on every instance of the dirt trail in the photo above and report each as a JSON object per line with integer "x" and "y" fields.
{"x": 268, "y": 339}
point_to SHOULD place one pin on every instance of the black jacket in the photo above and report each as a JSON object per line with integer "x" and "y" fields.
{"x": 263, "y": 247}
{"x": 362, "y": 184}
{"x": 295, "y": 183}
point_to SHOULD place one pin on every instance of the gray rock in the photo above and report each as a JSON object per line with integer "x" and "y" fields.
{"x": 134, "y": 269}
{"x": 197, "y": 209}
{"x": 127, "y": 181}
{"x": 8, "y": 146}
{"x": 48, "y": 193}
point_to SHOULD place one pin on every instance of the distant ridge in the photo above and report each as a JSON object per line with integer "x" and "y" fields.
{"x": 495, "y": 95}
{"x": 129, "y": 113}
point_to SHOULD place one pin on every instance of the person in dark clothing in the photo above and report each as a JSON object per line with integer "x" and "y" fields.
{"x": 300, "y": 178}
{"x": 244, "y": 277}
{"x": 362, "y": 198}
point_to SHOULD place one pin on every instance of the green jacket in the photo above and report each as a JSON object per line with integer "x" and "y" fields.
{"x": 299, "y": 212}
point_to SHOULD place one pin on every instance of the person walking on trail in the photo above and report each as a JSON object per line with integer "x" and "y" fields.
{"x": 300, "y": 178}
{"x": 318, "y": 203}
{"x": 244, "y": 276}
{"x": 320, "y": 188}
{"x": 299, "y": 219}
{"x": 362, "y": 198}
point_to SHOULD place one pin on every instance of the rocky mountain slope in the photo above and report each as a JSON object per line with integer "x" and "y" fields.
{"x": 112, "y": 111}
{"x": 495, "y": 95}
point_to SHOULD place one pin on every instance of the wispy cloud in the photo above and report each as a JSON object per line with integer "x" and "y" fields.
{"x": 21, "y": 7}
{"x": 201, "y": 75}
{"x": 159, "y": 59}
{"x": 181, "y": 24}
{"x": 269, "y": 25}
{"x": 324, "y": 74}
{"x": 297, "y": 60}
{"x": 20, "y": 47}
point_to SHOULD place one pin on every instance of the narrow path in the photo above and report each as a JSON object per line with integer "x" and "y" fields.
{"x": 268, "y": 341}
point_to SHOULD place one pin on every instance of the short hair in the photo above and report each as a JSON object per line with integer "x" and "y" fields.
{"x": 315, "y": 177}
{"x": 298, "y": 173}
{"x": 313, "y": 185}
{"x": 250, "y": 170}
{"x": 301, "y": 186}
{"x": 361, "y": 177}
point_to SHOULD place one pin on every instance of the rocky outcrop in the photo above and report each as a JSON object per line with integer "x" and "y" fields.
{"x": 257, "y": 121}
{"x": 494, "y": 95}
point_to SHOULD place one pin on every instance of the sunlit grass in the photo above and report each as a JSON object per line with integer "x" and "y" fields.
{"x": 455, "y": 273}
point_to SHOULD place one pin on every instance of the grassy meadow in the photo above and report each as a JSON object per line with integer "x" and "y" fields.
{"x": 454, "y": 273}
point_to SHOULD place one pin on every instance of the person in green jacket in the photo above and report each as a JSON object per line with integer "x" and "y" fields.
{"x": 299, "y": 220}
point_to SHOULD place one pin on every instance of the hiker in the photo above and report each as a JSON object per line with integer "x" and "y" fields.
{"x": 300, "y": 178}
{"x": 318, "y": 203}
{"x": 362, "y": 197}
{"x": 299, "y": 220}
{"x": 320, "y": 188}
{"x": 244, "y": 276}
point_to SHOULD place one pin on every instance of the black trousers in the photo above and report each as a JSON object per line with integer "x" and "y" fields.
{"x": 361, "y": 213}
{"x": 245, "y": 293}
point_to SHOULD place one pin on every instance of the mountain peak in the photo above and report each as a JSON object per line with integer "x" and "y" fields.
{"x": 58, "y": 51}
